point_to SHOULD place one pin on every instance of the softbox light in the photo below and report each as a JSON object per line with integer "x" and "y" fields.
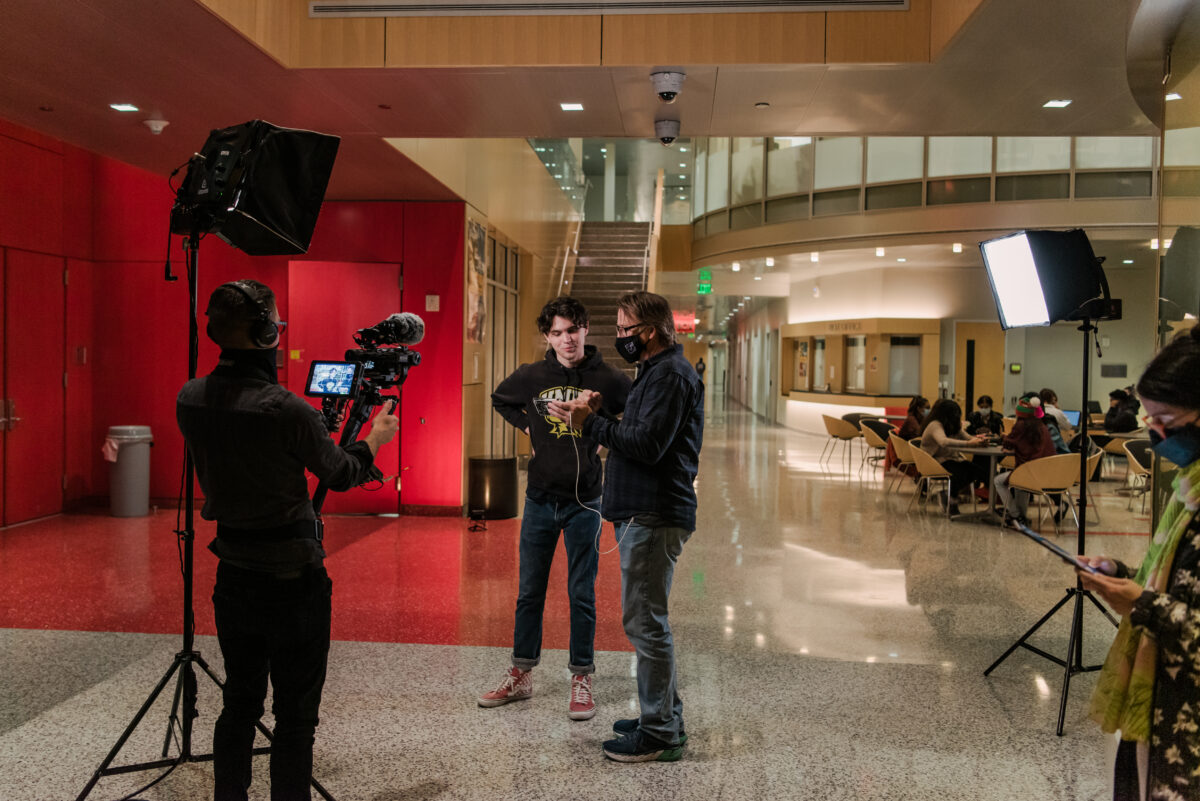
{"x": 257, "y": 186}
{"x": 1041, "y": 277}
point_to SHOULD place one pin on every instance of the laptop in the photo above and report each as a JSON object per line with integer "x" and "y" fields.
{"x": 1094, "y": 407}
{"x": 1072, "y": 417}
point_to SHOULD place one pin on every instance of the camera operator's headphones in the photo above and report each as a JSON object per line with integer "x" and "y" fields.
{"x": 264, "y": 333}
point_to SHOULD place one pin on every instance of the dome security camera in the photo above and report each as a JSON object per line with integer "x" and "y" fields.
{"x": 667, "y": 85}
{"x": 667, "y": 131}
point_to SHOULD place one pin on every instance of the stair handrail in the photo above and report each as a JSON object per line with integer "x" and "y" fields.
{"x": 651, "y": 253}
{"x": 571, "y": 255}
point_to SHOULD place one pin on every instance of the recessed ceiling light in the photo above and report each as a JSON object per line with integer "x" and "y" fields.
{"x": 683, "y": 150}
{"x": 758, "y": 278}
{"x": 902, "y": 260}
{"x": 604, "y": 150}
{"x": 122, "y": 107}
{"x": 880, "y": 252}
{"x": 1127, "y": 261}
{"x": 681, "y": 164}
{"x": 737, "y": 265}
{"x": 1174, "y": 96}
{"x": 762, "y": 104}
{"x": 558, "y": 177}
{"x": 956, "y": 247}
{"x": 576, "y": 106}
{"x": 745, "y": 297}
{"x": 683, "y": 197}
{"x": 770, "y": 261}
{"x": 1056, "y": 104}
{"x": 696, "y": 321}
{"x": 1154, "y": 244}
{"x": 683, "y": 176}
{"x": 814, "y": 256}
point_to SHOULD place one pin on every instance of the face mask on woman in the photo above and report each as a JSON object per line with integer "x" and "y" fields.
{"x": 1180, "y": 445}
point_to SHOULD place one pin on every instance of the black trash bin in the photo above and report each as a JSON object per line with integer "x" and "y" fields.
{"x": 492, "y": 487}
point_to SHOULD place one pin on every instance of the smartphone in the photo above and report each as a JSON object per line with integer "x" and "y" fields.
{"x": 1057, "y": 549}
{"x": 333, "y": 379}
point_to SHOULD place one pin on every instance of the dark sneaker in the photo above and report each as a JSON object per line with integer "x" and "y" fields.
{"x": 630, "y": 725}
{"x": 639, "y": 747}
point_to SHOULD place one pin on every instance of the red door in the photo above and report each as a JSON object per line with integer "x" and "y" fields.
{"x": 34, "y": 301}
{"x": 327, "y": 303}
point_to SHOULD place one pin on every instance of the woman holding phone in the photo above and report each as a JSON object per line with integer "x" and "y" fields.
{"x": 1149, "y": 688}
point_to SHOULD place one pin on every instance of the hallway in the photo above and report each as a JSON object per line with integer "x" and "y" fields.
{"x": 831, "y": 646}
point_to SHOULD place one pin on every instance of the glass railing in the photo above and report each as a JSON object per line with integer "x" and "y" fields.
{"x": 747, "y": 182}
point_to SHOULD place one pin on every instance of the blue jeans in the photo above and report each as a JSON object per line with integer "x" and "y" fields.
{"x": 648, "y": 557}
{"x": 544, "y": 518}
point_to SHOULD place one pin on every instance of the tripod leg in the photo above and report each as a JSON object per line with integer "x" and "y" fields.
{"x": 1100, "y": 606}
{"x": 173, "y": 717}
{"x": 133, "y": 724}
{"x": 1029, "y": 633}
{"x": 1074, "y": 656}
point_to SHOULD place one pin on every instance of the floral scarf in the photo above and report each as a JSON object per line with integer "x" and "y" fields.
{"x": 1124, "y": 695}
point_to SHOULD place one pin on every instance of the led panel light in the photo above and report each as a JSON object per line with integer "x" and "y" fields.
{"x": 122, "y": 107}
{"x": 571, "y": 106}
{"x": 1056, "y": 104}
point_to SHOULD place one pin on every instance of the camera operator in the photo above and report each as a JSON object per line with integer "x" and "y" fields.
{"x": 650, "y": 495}
{"x": 251, "y": 441}
{"x": 563, "y": 495}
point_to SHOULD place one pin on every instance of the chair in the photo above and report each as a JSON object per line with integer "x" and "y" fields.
{"x": 903, "y": 458}
{"x": 875, "y": 439}
{"x": 931, "y": 472}
{"x": 1141, "y": 466}
{"x": 1050, "y": 475}
{"x": 1009, "y": 423}
{"x": 839, "y": 431}
{"x": 1092, "y": 462}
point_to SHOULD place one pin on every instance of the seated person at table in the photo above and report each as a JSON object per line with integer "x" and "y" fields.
{"x": 944, "y": 427}
{"x": 909, "y": 429}
{"x": 1122, "y": 413}
{"x": 918, "y": 409}
{"x": 984, "y": 420}
{"x": 1055, "y": 415}
{"x": 1029, "y": 440}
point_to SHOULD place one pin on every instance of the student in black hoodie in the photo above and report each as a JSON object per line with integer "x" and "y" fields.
{"x": 563, "y": 495}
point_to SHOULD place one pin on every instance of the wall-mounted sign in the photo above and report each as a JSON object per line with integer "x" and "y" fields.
{"x": 1014, "y": 367}
{"x": 704, "y": 282}
{"x": 684, "y": 322}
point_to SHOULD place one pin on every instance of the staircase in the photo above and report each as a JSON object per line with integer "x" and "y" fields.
{"x": 611, "y": 262}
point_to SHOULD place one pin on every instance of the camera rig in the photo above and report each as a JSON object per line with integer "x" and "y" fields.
{"x": 386, "y": 359}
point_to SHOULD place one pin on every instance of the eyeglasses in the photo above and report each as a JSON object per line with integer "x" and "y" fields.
{"x": 623, "y": 330}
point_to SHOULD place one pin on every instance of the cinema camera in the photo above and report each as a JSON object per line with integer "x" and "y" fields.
{"x": 381, "y": 361}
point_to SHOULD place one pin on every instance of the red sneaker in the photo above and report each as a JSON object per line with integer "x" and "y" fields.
{"x": 517, "y": 686}
{"x": 583, "y": 705}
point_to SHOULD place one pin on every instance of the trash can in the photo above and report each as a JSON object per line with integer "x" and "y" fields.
{"x": 128, "y": 448}
{"x": 492, "y": 487}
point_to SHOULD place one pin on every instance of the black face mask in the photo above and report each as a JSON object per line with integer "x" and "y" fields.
{"x": 1179, "y": 445}
{"x": 630, "y": 347}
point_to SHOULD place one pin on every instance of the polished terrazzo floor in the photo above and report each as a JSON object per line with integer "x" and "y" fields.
{"x": 831, "y": 646}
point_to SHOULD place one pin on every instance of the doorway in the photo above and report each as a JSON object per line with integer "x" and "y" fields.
{"x": 978, "y": 362}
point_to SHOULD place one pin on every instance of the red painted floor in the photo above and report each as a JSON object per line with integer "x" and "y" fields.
{"x": 404, "y": 580}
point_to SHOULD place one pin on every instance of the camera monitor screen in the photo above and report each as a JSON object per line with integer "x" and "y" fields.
{"x": 332, "y": 379}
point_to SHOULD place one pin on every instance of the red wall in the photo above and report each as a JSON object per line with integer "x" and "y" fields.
{"x": 126, "y": 327}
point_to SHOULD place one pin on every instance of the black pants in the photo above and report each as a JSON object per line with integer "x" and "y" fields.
{"x": 963, "y": 473}
{"x": 277, "y": 628}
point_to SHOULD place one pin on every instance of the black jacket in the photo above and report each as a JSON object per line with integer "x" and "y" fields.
{"x": 252, "y": 441}
{"x": 1120, "y": 419}
{"x": 553, "y": 468}
{"x": 655, "y": 447}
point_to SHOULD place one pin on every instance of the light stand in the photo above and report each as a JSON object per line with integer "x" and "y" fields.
{"x": 1074, "y": 662}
